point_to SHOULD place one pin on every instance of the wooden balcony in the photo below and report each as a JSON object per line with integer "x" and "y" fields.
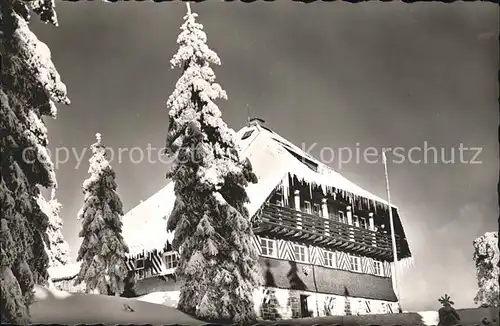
{"x": 287, "y": 223}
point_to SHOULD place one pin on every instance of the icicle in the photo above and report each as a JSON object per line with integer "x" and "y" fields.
{"x": 324, "y": 189}
{"x": 286, "y": 189}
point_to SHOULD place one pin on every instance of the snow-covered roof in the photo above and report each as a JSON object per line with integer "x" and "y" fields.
{"x": 144, "y": 227}
{"x": 284, "y": 162}
{"x": 64, "y": 272}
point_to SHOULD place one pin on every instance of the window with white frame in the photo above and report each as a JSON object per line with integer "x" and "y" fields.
{"x": 355, "y": 220}
{"x": 360, "y": 309}
{"x": 307, "y": 207}
{"x": 342, "y": 217}
{"x": 355, "y": 264}
{"x": 362, "y": 222}
{"x": 317, "y": 209}
{"x": 300, "y": 253}
{"x": 329, "y": 258}
{"x": 329, "y": 305}
{"x": 139, "y": 264}
{"x": 377, "y": 267}
{"x": 268, "y": 247}
{"x": 170, "y": 259}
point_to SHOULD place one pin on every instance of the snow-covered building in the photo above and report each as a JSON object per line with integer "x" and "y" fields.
{"x": 324, "y": 242}
{"x": 63, "y": 277}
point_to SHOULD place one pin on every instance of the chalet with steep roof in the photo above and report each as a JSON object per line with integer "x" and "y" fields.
{"x": 324, "y": 242}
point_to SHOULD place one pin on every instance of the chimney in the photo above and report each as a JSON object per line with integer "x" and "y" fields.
{"x": 256, "y": 121}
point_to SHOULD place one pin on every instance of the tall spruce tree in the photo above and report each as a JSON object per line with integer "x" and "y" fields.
{"x": 30, "y": 85}
{"x": 486, "y": 256}
{"x": 218, "y": 268}
{"x": 56, "y": 247}
{"x": 103, "y": 250}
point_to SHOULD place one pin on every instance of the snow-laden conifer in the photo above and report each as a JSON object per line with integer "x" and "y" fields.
{"x": 218, "y": 267}
{"x": 57, "y": 248}
{"x": 103, "y": 250}
{"x": 30, "y": 85}
{"x": 486, "y": 257}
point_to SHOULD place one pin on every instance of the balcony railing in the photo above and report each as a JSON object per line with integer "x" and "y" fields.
{"x": 295, "y": 225}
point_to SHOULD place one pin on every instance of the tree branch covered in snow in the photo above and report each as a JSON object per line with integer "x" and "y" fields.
{"x": 56, "y": 247}
{"x": 30, "y": 87}
{"x": 486, "y": 257}
{"x": 103, "y": 249}
{"x": 218, "y": 267}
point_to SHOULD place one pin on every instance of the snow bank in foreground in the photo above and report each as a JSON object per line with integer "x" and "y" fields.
{"x": 42, "y": 293}
{"x": 81, "y": 308}
{"x": 170, "y": 298}
{"x": 430, "y": 318}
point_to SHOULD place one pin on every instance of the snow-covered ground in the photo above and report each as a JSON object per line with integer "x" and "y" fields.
{"x": 60, "y": 307}
{"x": 429, "y": 317}
{"x": 53, "y": 306}
{"x": 169, "y": 299}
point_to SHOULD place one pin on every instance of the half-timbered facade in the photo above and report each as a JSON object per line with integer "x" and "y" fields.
{"x": 324, "y": 242}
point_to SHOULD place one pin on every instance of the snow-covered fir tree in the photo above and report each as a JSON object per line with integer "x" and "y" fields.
{"x": 486, "y": 257}
{"x": 30, "y": 85}
{"x": 218, "y": 266}
{"x": 103, "y": 250}
{"x": 57, "y": 248}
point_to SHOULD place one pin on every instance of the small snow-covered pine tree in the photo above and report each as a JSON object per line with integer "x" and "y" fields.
{"x": 30, "y": 85}
{"x": 486, "y": 257}
{"x": 57, "y": 248}
{"x": 218, "y": 267}
{"x": 103, "y": 250}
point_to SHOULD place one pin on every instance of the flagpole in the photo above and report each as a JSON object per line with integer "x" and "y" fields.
{"x": 393, "y": 233}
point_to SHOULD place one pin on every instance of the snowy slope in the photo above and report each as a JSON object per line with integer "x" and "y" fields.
{"x": 167, "y": 298}
{"x": 57, "y": 307}
{"x": 52, "y": 306}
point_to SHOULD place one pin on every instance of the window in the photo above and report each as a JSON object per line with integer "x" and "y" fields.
{"x": 316, "y": 209}
{"x": 247, "y": 134}
{"x": 170, "y": 259}
{"x": 355, "y": 220}
{"x": 310, "y": 164}
{"x": 139, "y": 264}
{"x": 329, "y": 305}
{"x": 307, "y": 207}
{"x": 329, "y": 258}
{"x": 342, "y": 217}
{"x": 377, "y": 267}
{"x": 362, "y": 222}
{"x": 268, "y": 248}
{"x": 300, "y": 253}
{"x": 355, "y": 263}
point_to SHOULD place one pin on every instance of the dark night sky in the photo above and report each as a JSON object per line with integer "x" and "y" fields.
{"x": 377, "y": 74}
